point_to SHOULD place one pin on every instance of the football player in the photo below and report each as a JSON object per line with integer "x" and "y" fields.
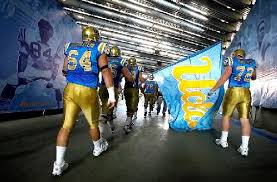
{"x": 82, "y": 64}
{"x": 239, "y": 71}
{"x": 118, "y": 67}
{"x": 150, "y": 91}
{"x": 161, "y": 100}
{"x": 131, "y": 91}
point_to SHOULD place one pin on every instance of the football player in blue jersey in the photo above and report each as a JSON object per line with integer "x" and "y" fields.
{"x": 239, "y": 71}
{"x": 118, "y": 67}
{"x": 150, "y": 91}
{"x": 161, "y": 100}
{"x": 82, "y": 64}
{"x": 131, "y": 92}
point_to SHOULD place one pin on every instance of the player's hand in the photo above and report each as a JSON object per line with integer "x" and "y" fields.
{"x": 210, "y": 94}
{"x": 64, "y": 73}
{"x": 111, "y": 103}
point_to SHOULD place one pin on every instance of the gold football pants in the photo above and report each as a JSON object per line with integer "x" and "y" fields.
{"x": 237, "y": 97}
{"x": 132, "y": 99}
{"x": 79, "y": 98}
{"x": 151, "y": 99}
{"x": 104, "y": 96}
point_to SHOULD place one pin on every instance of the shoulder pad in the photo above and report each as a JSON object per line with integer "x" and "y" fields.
{"x": 103, "y": 48}
{"x": 67, "y": 46}
{"x": 124, "y": 62}
{"x": 140, "y": 68}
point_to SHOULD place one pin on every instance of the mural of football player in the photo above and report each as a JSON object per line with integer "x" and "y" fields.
{"x": 36, "y": 61}
{"x": 118, "y": 66}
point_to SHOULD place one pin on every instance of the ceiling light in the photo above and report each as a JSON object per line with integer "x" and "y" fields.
{"x": 81, "y": 17}
{"x": 132, "y": 6}
{"x": 195, "y": 9}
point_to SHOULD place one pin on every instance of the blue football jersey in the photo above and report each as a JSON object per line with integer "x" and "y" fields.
{"x": 150, "y": 86}
{"x": 241, "y": 71}
{"x": 135, "y": 71}
{"x": 82, "y": 66}
{"x": 116, "y": 64}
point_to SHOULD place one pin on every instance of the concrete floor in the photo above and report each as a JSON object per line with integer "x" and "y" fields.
{"x": 152, "y": 152}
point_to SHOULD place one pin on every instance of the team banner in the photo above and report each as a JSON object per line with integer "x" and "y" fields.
{"x": 185, "y": 86}
{"x": 33, "y": 34}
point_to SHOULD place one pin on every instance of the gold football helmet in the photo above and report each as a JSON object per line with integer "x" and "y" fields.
{"x": 240, "y": 53}
{"x": 115, "y": 51}
{"x": 132, "y": 61}
{"x": 90, "y": 34}
{"x": 151, "y": 76}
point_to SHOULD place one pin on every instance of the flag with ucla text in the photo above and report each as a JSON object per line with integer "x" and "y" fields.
{"x": 185, "y": 86}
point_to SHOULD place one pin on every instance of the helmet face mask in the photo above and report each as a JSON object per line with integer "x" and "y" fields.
{"x": 115, "y": 51}
{"x": 90, "y": 34}
{"x": 240, "y": 53}
{"x": 132, "y": 61}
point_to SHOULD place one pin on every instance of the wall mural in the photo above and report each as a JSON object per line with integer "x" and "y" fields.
{"x": 33, "y": 34}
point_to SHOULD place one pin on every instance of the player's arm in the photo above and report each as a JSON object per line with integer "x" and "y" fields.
{"x": 254, "y": 75}
{"x": 227, "y": 73}
{"x": 126, "y": 73}
{"x": 64, "y": 66}
{"x": 142, "y": 80}
{"x": 157, "y": 90}
{"x": 142, "y": 88}
{"x": 108, "y": 78}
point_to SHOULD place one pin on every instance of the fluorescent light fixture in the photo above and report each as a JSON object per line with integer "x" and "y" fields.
{"x": 142, "y": 22}
{"x": 76, "y": 11}
{"x": 194, "y": 9}
{"x": 129, "y": 52}
{"x": 173, "y": 6}
{"x": 196, "y": 15}
{"x": 81, "y": 17}
{"x": 131, "y": 6}
{"x": 238, "y": 26}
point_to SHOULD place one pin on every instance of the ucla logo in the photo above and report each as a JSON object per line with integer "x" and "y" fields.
{"x": 194, "y": 105}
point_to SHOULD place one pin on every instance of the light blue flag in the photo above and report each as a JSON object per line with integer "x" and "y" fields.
{"x": 185, "y": 86}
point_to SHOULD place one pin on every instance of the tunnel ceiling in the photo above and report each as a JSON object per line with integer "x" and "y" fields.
{"x": 158, "y": 30}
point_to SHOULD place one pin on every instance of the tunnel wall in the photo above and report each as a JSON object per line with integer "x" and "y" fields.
{"x": 33, "y": 34}
{"x": 258, "y": 37}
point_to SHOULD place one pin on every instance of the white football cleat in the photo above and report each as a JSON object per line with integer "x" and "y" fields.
{"x": 58, "y": 169}
{"x": 224, "y": 144}
{"x": 243, "y": 151}
{"x": 135, "y": 115}
{"x": 103, "y": 147}
{"x": 127, "y": 129}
